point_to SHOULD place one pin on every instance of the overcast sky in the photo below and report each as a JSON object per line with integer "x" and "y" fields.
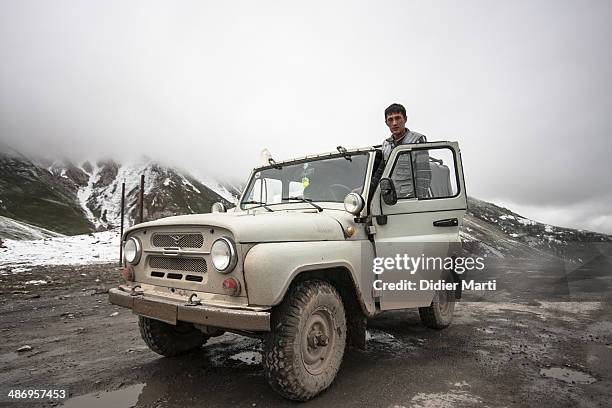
{"x": 524, "y": 86}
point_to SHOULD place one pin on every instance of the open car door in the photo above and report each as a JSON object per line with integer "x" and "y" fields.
{"x": 423, "y": 222}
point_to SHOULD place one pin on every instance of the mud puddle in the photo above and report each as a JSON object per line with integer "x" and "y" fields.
{"x": 567, "y": 375}
{"x": 125, "y": 397}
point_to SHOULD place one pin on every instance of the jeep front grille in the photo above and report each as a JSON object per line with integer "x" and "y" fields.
{"x": 177, "y": 240}
{"x": 177, "y": 276}
{"x": 178, "y": 264}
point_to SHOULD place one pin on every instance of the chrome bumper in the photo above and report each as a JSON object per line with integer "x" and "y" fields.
{"x": 171, "y": 311}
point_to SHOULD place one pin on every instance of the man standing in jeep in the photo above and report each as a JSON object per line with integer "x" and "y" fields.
{"x": 395, "y": 119}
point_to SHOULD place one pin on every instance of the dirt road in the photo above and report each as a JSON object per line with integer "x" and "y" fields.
{"x": 511, "y": 352}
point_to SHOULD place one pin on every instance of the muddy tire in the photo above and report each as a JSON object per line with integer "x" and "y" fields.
{"x": 440, "y": 313}
{"x": 169, "y": 340}
{"x": 304, "y": 350}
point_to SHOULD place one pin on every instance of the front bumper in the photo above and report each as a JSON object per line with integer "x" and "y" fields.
{"x": 171, "y": 311}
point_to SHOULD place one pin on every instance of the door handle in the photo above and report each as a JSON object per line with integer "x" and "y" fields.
{"x": 448, "y": 222}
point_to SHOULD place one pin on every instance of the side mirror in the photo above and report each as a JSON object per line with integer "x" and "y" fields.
{"x": 387, "y": 190}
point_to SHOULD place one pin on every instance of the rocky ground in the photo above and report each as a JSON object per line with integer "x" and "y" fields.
{"x": 505, "y": 352}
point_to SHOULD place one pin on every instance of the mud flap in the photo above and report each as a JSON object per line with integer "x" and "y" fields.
{"x": 458, "y": 278}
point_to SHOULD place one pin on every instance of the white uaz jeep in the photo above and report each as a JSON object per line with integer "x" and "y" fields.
{"x": 293, "y": 263}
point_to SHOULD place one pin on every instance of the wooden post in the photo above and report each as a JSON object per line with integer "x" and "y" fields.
{"x": 122, "y": 216}
{"x": 142, "y": 197}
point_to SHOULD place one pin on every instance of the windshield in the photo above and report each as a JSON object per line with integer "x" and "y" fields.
{"x": 318, "y": 180}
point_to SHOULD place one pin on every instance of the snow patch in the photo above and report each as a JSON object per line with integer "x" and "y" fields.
{"x": 188, "y": 183}
{"x": 19, "y": 270}
{"x": 85, "y": 193}
{"x": 215, "y": 186}
{"x": 526, "y": 221}
{"x": 36, "y": 282}
{"x": 248, "y": 357}
{"x": 101, "y": 247}
{"x": 107, "y": 200}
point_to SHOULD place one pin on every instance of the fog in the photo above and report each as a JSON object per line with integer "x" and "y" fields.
{"x": 523, "y": 86}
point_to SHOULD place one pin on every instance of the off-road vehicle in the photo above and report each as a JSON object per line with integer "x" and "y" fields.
{"x": 292, "y": 263}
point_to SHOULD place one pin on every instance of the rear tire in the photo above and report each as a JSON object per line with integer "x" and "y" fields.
{"x": 169, "y": 340}
{"x": 304, "y": 350}
{"x": 440, "y": 313}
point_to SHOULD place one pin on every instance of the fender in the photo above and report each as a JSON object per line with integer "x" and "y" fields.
{"x": 269, "y": 268}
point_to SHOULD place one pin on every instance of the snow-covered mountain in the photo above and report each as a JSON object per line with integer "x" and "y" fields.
{"x": 168, "y": 191}
{"x": 496, "y": 231}
{"x": 70, "y": 198}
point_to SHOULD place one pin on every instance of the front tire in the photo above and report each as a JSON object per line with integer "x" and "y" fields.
{"x": 304, "y": 350}
{"x": 440, "y": 313}
{"x": 169, "y": 340}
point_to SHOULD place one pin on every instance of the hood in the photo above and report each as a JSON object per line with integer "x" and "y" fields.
{"x": 261, "y": 227}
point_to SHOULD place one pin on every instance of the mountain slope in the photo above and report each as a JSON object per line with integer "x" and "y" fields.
{"x": 167, "y": 192}
{"x": 30, "y": 194}
{"x": 496, "y": 231}
{"x": 16, "y": 230}
{"x": 73, "y": 198}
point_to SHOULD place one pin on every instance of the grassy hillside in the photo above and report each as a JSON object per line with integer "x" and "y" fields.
{"x": 28, "y": 194}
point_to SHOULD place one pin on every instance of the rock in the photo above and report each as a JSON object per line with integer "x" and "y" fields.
{"x": 24, "y": 348}
{"x": 33, "y": 296}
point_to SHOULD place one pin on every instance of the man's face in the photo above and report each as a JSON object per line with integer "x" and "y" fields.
{"x": 396, "y": 123}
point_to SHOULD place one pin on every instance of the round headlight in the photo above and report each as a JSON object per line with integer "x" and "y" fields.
{"x": 223, "y": 255}
{"x": 132, "y": 251}
{"x": 218, "y": 208}
{"x": 353, "y": 203}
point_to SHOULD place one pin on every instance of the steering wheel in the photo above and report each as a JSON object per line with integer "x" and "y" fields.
{"x": 335, "y": 191}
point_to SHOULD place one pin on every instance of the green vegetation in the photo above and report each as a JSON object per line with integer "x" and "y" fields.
{"x": 28, "y": 196}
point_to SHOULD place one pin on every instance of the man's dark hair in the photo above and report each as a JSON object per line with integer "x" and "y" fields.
{"x": 395, "y": 108}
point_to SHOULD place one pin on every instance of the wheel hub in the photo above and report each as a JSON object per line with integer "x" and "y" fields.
{"x": 318, "y": 340}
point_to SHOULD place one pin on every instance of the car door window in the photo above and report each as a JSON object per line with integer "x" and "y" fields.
{"x": 425, "y": 174}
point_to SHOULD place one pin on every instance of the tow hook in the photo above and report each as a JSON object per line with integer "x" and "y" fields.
{"x": 133, "y": 291}
{"x": 192, "y": 302}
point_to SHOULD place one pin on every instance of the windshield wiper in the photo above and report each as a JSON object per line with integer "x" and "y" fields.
{"x": 261, "y": 204}
{"x": 304, "y": 200}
